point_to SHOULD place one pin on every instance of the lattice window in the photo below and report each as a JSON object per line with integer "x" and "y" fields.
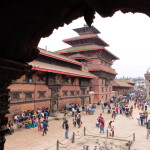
{"x": 28, "y": 78}
{"x": 28, "y": 95}
{"x": 78, "y": 92}
{"x": 40, "y": 77}
{"x": 42, "y": 94}
{"x": 15, "y": 95}
{"x": 72, "y": 93}
{"x": 65, "y": 93}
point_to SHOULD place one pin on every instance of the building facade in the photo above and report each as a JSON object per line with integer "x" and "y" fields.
{"x": 80, "y": 74}
{"x": 54, "y": 79}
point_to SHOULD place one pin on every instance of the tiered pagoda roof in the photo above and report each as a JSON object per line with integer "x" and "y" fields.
{"x": 89, "y": 41}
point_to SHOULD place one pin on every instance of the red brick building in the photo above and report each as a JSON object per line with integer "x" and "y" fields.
{"x": 51, "y": 73}
{"x": 122, "y": 86}
{"x": 90, "y": 49}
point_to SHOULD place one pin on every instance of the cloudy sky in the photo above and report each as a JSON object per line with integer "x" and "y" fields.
{"x": 127, "y": 34}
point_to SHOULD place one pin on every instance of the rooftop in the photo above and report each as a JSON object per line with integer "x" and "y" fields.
{"x": 120, "y": 83}
{"x": 79, "y": 56}
{"x": 84, "y": 48}
{"x": 98, "y": 67}
{"x": 57, "y": 56}
{"x": 46, "y": 67}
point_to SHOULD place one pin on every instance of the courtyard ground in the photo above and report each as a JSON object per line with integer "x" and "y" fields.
{"x": 31, "y": 139}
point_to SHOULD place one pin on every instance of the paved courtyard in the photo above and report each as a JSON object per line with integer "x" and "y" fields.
{"x": 31, "y": 139}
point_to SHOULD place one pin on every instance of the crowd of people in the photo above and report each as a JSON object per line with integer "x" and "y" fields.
{"x": 115, "y": 106}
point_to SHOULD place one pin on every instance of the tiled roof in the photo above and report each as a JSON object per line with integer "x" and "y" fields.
{"x": 80, "y": 48}
{"x": 118, "y": 83}
{"x": 98, "y": 67}
{"x": 37, "y": 65}
{"x": 85, "y": 48}
{"x": 79, "y": 56}
{"x": 86, "y": 36}
{"x": 126, "y": 81}
{"x": 58, "y": 56}
{"x": 81, "y": 37}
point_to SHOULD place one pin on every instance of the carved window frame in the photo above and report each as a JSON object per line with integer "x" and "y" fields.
{"x": 78, "y": 92}
{"x": 72, "y": 93}
{"x": 65, "y": 93}
{"x": 13, "y": 94}
{"x": 42, "y": 94}
{"x": 28, "y": 95}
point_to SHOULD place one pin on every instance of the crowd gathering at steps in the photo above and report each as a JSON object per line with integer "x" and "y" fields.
{"x": 115, "y": 106}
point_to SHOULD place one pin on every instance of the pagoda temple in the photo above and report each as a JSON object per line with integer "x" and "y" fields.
{"x": 89, "y": 49}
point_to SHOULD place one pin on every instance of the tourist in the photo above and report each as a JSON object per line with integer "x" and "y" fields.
{"x": 73, "y": 111}
{"x": 78, "y": 120}
{"x": 101, "y": 128}
{"x": 146, "y": 114}
{"x": 131, "y": 112}
{"x": 103, "y": 108}
{"x": 138, "y": 118}
{"x": 148, "y": 128}
{"x": 10, "y": 128}
{"x": 98, "y": 104}
{"x": 64, "y": 120}
{"x": 109, "y": 129}
{"x": 74, "y": 122}
{"x": 66, "y": 129}
{"x": 39, "y": 124}
{"x": 44, "y": 127}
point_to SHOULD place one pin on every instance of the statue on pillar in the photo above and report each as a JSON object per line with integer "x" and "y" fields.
{"x": 53, "y": 104}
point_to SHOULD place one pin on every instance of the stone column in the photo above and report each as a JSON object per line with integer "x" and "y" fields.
{"x": 9, "y": 70}
{"x": 147, "y": 91}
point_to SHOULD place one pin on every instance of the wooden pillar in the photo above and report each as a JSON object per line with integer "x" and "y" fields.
{"x": 9, "y": 70}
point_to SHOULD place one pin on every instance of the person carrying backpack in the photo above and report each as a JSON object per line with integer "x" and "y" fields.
{"x": 148, "y": 128}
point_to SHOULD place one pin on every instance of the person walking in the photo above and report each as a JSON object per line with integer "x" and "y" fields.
{"x": 44, "y": 127}
{"x": 66, "y": 129}
{"x": 148, "y": 128}
{"x": 64, "y": 120}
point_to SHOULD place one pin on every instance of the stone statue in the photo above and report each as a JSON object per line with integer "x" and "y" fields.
{"x": 54, "y": 100}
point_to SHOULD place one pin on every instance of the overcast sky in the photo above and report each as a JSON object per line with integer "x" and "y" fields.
{"x": 127, "y": 34}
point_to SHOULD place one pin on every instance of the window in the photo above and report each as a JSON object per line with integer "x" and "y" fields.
{"x": 72, "y": 93}
{"x": 28, "y": 78}
{"x": 40, "y": 77}
{"x": 78, "y": 92}
{"x": 28, "y": 95}
{"x": 15, "y": 95}
{"x": 65, "y": 93}
{"x": 72, "y": 81}
{"x": 41, "y": 94}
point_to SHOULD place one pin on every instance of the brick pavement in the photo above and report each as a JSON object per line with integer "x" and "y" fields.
{"x": 31, "y": 139}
